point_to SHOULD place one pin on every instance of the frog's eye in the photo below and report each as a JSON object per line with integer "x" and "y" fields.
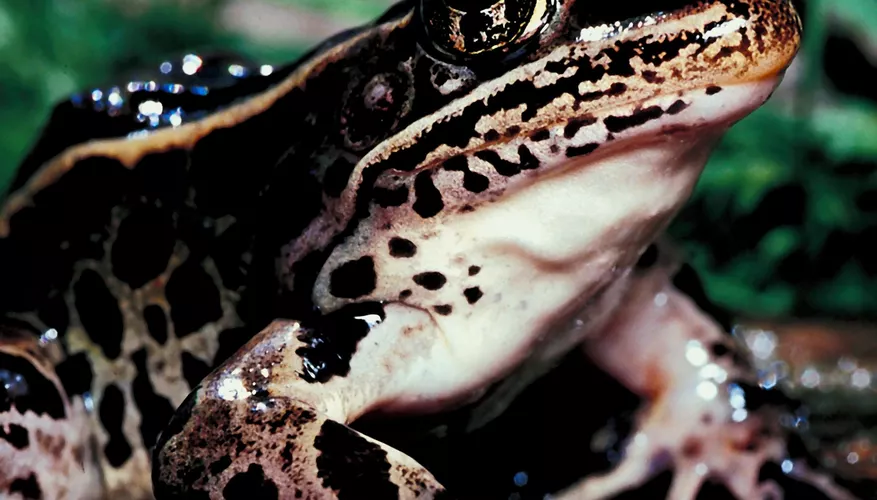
{"x": 469, "y": 28}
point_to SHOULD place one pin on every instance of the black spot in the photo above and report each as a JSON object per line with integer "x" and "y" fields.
{"x": 156, "y": 322}
{"x": 472, "y": 181}
{"x": 616, "y": 89}
{"x": 354, "y": 279}
{"x": 649, "y": 258}
{"x": 286, "y": 455}
{"x": 713, "y": 89}
{"x": 528, "y": 159}
{"x": 250, "y": 484}
{"x": 99, "y": 313}
{"x": 429, "y": 199}
{"x": 17, "y": 436}
{"x": 331, "y": 340}
{"x": 474, "y": 270}
{"x": 677, "y": 107}
{"x": 351, "y": 465}
{"x": 75, "y": 374}
{"x": 473, "y": 294}
{"x": 443, "y": 309}
{"x": 491, "y": 136}
{"x": 25, "y": 388}
{"x": 29, "y": 488}
{"x": 220, "y": 465}
{"x": 512, "y": 131}
{"x": 194, "y": 370}
{"x": 402, "y": 248}
{"x": 542, "y": 134}
{"x": 143, "y": 246}
{"x": 652, "y": 77}
{"x": 502, "y": 167}
{"x": 404, "y": 294}
{"x": 390, "y": 197}
{"x": 574, "y": 151}
{"x": 576, "y": 124}
{"x": 156, "y": 411}
{"x": 617, "y": 124}
{"x": 193, "y": 298}
{"x": 688, "y": 282}
{"x": 431, "y": 280}
{"x": 112, "y": 416}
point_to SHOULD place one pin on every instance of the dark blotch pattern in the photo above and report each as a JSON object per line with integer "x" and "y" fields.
{"x": 193, "y": 297}
{"x": 472, "y": 181}
{"x": 331, "y": 340}
{"x": 249, "y": 485}
{"x": 431, "y": 280}
{"x": 220, "y": 465}
{"x": 540, "y": 135}
{"x": 402, "y": 248}
{"x": 17, "y": 436}
{"x": 112, "y": 415}
{"x": 428, "y": 201}
{"x": 156, "y": 411}
{"x": 351, "y": 465}
{"x": 75, "y": 374}
{"x": 573, "y": 151}
{"x": 474, "y": 270}
{"x": 443, "y": 309}
{"x": 354, "y": 279}
{"x": 576, "y": 124}
{"x": 28, "y": 487}
{"x": 156, "y": 323}
{"x": 677, "y": 107}
{"x": 194, "y": 370}
{"x": 713, "y": 90}
{"x": 395, "y": 197}
{"x": 473, "y": 294}
{"x": 143, "y": 246}
{"x": 99, "y": 313}
{"x": 617, "y": 124}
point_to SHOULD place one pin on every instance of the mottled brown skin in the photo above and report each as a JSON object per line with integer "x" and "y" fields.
{"x": 157, "y": 258}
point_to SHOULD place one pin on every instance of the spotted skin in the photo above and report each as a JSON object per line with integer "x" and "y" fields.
{"x": 395, "y": 165}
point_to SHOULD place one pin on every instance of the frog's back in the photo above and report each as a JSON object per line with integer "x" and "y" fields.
{"x": 130, "y": 263}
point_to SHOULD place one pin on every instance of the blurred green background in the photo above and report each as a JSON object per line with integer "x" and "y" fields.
{"x": 784, "y": 221}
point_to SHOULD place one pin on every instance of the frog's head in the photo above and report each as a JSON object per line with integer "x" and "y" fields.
{"x": 568, "y": 117}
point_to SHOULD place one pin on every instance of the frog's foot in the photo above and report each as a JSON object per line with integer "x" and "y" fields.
{"x": 271, "y": 421}
{"x": 706, "y": 419}
{"x": 45, "y": 438}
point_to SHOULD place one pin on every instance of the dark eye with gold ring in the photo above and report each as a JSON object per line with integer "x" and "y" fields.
{"x": 463, "y": 29}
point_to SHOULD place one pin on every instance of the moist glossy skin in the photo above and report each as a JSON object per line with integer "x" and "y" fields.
{"x": 424, "y": 219}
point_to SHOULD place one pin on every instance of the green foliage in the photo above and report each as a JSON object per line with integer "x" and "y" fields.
{"x": 50, "y": 48}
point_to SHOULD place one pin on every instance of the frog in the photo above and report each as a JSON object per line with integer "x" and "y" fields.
{"x": 419, "y": 214}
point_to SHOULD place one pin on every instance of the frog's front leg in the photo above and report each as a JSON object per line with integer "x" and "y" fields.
{"x": 706, "y": 417}
{"x": 270, "y": 422}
